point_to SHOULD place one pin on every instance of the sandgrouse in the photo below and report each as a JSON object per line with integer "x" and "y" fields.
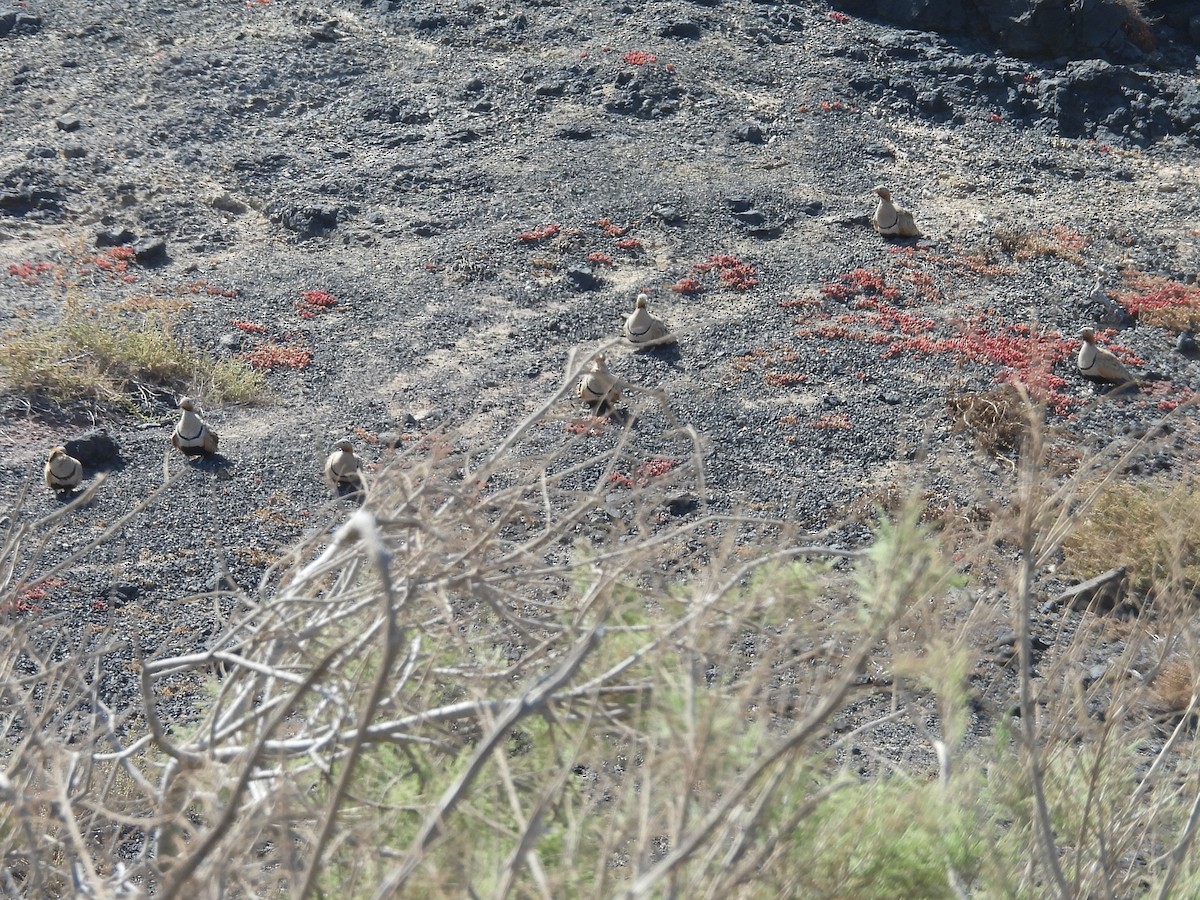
{"x": 343, "y": 466}
{"x": 891, "y": 220}
{"x": 597, "y": 386}
{"x": 63, "y": 472}
{"x": 644, "y": 330}
{"x": 192, "y": 434}
{"x": 1097, "y": 364}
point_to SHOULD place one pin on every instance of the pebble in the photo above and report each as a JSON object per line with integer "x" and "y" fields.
{"x": 669, "y": 215}
{"x": 149, "y": 250}
{"x": 749, "y": 133}
{"x": 582, "y": 278}
{"x": 114, "y": 238}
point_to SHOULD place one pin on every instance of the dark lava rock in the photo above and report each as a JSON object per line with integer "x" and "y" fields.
{"x": 150, "y": 250}
{"x": 96, "y": 449}
{"x": 23, "y": 201}
{"x": 115, "y": 238}
{"x": 750, "y": 217}
{"x": 123, "y": 592}
{"x": 750, "y": 133}
{"x": 67, "y": 123}
{"x": 1186, "y": 344}
{"x": 685, "y": 29}
{"x": 669, "y": 215}
{"x": 306, "y": 220}
{"x": 583, "y": 278}
{"x": 1025, "y": 28}
{"x": 649, "y": 94}
{"x": 14, "y": 22}
{"x": 575, "y": 131}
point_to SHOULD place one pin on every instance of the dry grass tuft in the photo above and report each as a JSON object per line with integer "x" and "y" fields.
{"x": 1057, "y": 241}
{"x": 116, "y": 355}
{"x": 998, "y": 419}
{"x": 1151, "y": 527}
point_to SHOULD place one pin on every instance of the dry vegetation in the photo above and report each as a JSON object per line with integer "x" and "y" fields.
{"x": 473, "y": 687}
{"x": 118, "y": 354}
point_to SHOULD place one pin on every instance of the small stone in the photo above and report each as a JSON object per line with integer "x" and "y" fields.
{"x": 124, "y": 592}
{"x": 1094, "y": 674}
{"x": 67, "y": 123}
{"x": 230, "y": 341}
{"x": 115, "y": 238}
{"x": 684, "y": 29}
{"x": 228, "y": 203}
{"x": 582, "y": 278}
{"x": 749, "y": 133}
{"x": 750, "y": 217}
{"x": 149, "y": 250}
{"x": 890, "y": 398}
{"x": 14, "y": 22}
{"x": 1186, "y": 344}
{"x": 670, "y": 215}
{"x": 576, "y": 131}
{"x": 426, "y": 227}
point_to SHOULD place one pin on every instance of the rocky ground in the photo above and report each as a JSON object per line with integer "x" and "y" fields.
{"x": 477, "y": 189}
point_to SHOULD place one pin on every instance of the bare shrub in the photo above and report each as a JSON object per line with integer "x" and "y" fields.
{"x": 494, "y": 679}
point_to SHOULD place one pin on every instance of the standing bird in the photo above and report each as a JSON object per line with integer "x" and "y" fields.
{"x": 63, "y": 472}
{"x": 644, "y": 330}
{"x": 192, "y": 434}
{"x": 597, "y": 386}
{"x": 1098, "y": 364}
{"x": 343, "y": 466}
{"x": 891, "y": 220}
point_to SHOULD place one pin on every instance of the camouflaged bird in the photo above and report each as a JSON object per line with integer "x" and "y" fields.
{"x": 63, "y": 472}
{"x": 343, "y": 467}
{"x": 1097, "y": 364}
{"x": 597, "y": 386}
{"x": 891, "y": 220}
{"x": 644, "y": 330}
{"x": 192, "y": 434}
